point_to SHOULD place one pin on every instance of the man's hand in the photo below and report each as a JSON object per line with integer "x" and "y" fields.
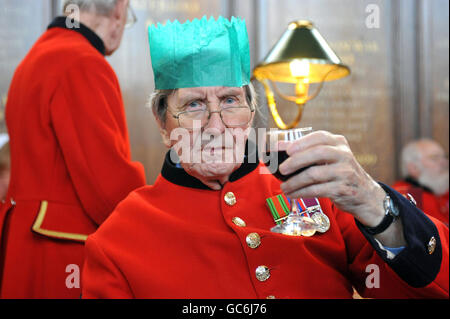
{"x": 335, "y": 173}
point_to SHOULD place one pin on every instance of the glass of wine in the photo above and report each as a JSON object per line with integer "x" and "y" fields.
{"x": 277, "y": 142}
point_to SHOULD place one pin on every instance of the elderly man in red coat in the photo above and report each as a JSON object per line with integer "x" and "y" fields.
{"x": 70, "y": 154}
{"x": 203, "y": 230}
{"x": 424, "y": 166}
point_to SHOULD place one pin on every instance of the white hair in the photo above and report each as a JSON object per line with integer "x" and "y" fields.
{"x": 412, "y": 153}
{"x": 101, "y": 7}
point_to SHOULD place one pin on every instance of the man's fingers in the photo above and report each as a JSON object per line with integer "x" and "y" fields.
{"x": 314, "y": 190}
{"x": 316, "y": 174}
{"x": 314, "y": 139}
{"x": 317, "y": 155}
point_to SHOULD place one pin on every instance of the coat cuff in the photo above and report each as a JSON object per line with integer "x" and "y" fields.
{"x": 419, "y": 262}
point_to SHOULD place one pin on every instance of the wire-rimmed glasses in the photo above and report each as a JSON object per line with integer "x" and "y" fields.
{"x": 232, "y": 116}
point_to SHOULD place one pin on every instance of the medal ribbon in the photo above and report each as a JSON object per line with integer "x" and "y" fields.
{"x": 280, "y": 206}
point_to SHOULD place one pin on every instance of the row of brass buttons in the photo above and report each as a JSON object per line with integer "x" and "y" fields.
{"x": 253, "y": 240}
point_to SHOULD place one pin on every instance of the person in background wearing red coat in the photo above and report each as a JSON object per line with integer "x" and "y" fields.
{"x": 203, "y": 229}
{"x": 424, "y": 167}
{"x": 70, "y": 153}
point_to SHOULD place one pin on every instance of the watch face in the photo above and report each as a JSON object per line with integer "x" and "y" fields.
{"x": 393, "y": 210}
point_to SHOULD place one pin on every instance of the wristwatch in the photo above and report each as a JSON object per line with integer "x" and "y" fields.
{"x": 391, "y": 213}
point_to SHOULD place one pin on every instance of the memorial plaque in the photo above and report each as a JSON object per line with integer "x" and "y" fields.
{"x": 437, "y": 18}
{"x": 360, "y": 105}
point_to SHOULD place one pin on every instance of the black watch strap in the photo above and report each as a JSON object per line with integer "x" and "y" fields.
{"x": 381, "y": 227}
{"x": 391, "y": 212}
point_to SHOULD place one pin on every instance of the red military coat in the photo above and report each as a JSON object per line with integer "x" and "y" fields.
{"x": 431, "y": 204}
{"x": 70, "y": 162}
{"x": 176, "y": 239}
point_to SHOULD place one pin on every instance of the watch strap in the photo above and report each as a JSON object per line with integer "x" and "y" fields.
{"x": 391, "y": 213}
{"x": 381, "y": 227}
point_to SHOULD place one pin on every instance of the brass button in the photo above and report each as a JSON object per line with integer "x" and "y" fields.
{"x": 230, "y": 199}
{"x": 13, "y": 202}
{"x": 253, "y": 240}
{"x": 262, "y": 273}
{"x": 271, "y": 297}
{"x": 431, "y": 245}
{"x": 238, "y": 222}
{"x": 411, "y": 199}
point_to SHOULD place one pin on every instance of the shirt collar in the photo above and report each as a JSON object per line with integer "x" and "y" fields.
{"x": 179, "y": 176}
{"x": 91, "y": 36}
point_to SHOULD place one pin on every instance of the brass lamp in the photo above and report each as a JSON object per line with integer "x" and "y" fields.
{"x": 301, "y": 56}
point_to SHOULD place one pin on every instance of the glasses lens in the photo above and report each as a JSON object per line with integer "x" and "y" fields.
{"x": 231, "y": 117}
{"x": 236, "y": 116}
{"x": 188, "y": 119}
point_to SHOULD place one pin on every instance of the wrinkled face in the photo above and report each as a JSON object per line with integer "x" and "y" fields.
{"x": 434, "y": 167}
{"x": 434, "y": 159}
{"x": 118, "y": 20}
{"x": 209, "y": 144}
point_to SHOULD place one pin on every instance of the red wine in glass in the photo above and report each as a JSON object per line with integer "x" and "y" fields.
{"x": 277, "y": 143}
{"x": 278, "y": 157}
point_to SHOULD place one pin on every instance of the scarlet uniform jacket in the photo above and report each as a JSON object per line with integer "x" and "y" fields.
{"x": 431, "y": 204}
{"x": 179, "y": 239}
{"x": 70, "y": 161}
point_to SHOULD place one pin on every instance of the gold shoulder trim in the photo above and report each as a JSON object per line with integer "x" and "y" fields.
{"x": 52, "y": 233}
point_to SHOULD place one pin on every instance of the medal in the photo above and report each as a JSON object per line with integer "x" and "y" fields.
{"x": 321, "y": 220}
{"x": 312, "y": 215}
{"x": 317, "y": 215}
{"x": 309, "y": 230}
{"x": 278, "y": 208}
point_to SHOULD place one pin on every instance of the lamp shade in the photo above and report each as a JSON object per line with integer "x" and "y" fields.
{"x": 301, "y": 43}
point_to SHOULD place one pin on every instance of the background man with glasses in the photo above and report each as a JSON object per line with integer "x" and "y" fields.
{"x": 70, "y": 154}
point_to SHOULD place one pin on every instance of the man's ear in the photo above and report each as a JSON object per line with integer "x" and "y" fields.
{"x": 165, "y": 137}
{"x": 162, "y": 130}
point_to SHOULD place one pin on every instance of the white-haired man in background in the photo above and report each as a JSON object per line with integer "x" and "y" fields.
{"x": 70, "y": 154}
{"x": 425, "y": 173}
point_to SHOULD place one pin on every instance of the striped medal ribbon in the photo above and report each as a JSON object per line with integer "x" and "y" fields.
{"x": 279, "y": 206}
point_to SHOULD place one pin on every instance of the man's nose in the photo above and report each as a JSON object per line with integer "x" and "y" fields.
{"x": 215, "y": 122}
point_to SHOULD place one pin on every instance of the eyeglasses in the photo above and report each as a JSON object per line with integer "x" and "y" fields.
{"x": 131, "y": 17}
{"x": 234, "y": 116}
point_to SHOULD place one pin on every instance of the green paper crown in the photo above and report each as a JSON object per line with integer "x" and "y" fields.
{"x": 200, "y": 53}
